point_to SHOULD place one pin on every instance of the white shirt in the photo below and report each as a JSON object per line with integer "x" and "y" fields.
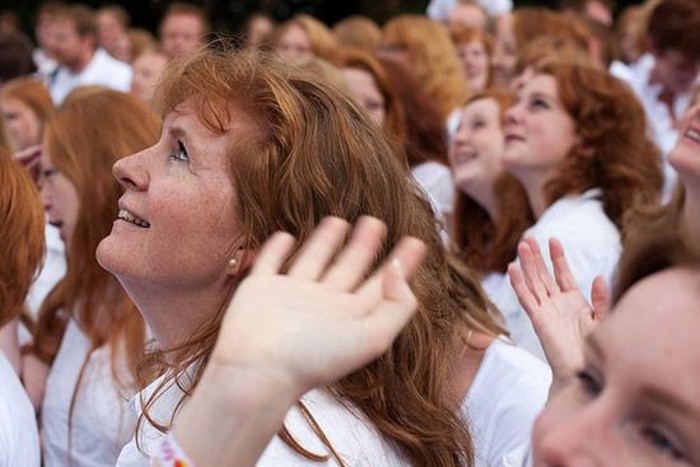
{"x": 353, "y": 437}
{"x": 53, "y": 270}
{"x": 102, "y": 70}
{"x": 508, "y": 393}
{"x": 100, "y": 425}
{"x": 436, "y": 181}
{"x": 437, "y": 9}
{"x": 592, "y": 246}
{"x": 659, "y": 117}
{"x": 19, "y": 438}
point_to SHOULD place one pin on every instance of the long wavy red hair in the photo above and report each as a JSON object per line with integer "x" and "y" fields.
{"x": 84, "y": 140}
{"x": 316, "y": 154}
{"x": 21, "y": 236}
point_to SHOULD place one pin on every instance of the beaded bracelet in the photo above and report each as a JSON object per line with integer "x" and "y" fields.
{"x": 171, "y": 454}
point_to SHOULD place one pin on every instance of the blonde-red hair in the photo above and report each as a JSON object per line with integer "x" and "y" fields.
{"x": 21, "y": 236}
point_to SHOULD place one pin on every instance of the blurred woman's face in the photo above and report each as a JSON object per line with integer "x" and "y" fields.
{"x": 366, "y": 92}
{"x": 147, "y": 69}
{"x": 60, "y": 198}
{"x": 294, "y": 45}
{"x": 635, "y": 401}
{"x": 477, "y": 148}
{"x": 22, "y": 125}
{"x": 475, "y": 63}
{"x": 685, "y": 157}
{"x": 505, "y": 56}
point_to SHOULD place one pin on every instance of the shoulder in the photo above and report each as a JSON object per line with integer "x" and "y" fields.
{"x": 351, "y": 434}
{"x": 508, "y": 374}
{"x": 510, "y": 390}
{"x": 576, "y": 218}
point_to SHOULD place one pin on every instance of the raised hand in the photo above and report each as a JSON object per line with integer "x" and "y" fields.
{"x": 284, "y": 334}
{"x": 323, "y": 318}
{"x": 559, "y": 312}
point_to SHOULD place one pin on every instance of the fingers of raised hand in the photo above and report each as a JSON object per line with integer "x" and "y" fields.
{"x": 357, "y": 256}
{"x": 408, "y": 253}
{"x": 319, "y": 249}
{"x": 273, "y": 254}
{"x": 563, "y": 274}
{"x": 525, "y": 296}
{"x": 544, "y": 275}
{"x": 531, "y": 274}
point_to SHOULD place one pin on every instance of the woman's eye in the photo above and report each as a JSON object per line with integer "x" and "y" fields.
{"x": 477, "y": 124}
{"x": 662, "y": 443}
{"x": 589, "y": 383}
{"x": 539, "y": 104}
{"x": 180, "y": 154}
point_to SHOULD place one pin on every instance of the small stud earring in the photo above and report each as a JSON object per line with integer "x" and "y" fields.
{"x": 232, "y": 262}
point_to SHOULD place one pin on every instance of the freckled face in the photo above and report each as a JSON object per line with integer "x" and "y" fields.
{"x": 178, "y": 221}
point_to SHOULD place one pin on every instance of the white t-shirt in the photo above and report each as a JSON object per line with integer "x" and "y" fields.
{"x": 508, "y": 393}
{"x": 52, "y": 270}
{"x": 102, "y": 70}
{"x": 19, "y": 438}
{"x": 436, "y": 181}
{"x": 437, "y": 10}
{"x": 353, "y": 437}
{"x": 100, "y": 425}
{"x": 592, "y": 247}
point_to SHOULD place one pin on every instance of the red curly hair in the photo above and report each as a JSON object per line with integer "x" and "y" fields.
{"x": 614, "y": 153}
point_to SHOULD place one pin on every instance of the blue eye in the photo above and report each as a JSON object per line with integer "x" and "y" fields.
{"x": 181, "y": 154}
{"x": 589, "y": 383}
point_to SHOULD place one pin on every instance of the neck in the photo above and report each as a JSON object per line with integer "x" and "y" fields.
{"x": 485, "y": 196}
{"x": 177, "y": 315}
{"x": 535, "y": 196}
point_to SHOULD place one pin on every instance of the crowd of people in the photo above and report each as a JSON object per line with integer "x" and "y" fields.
{"x": 464, "y": 238}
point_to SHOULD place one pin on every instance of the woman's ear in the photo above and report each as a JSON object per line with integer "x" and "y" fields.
{"x": 240, "y": 260}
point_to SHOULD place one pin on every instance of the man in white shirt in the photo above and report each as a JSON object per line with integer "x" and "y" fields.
{"x": 81, "y": 63}
{"x": 664, "y": 77}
